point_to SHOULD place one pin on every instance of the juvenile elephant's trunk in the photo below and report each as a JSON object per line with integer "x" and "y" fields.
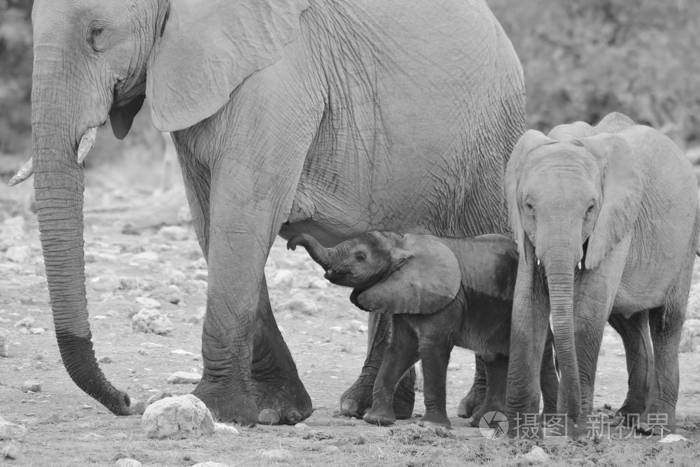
{"x": 559, "y": 267}
{"x": 318, "y": 252}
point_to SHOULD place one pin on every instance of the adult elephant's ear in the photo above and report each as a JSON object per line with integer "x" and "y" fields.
{"x": 622, "y": 194}
{"x": 426, "y": 279}
{"x": 209, "y": 48}
{"x": 528, "y": 142}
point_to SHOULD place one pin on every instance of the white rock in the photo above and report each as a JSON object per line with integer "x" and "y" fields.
{"x": 673, "y": 438}
{"x": 301, "y": 306}
{"x": 31, "y": 386}
{"x": 9, "y": 430}
{"x": 184, "y": 377}
{"x": 174, "y": 232}
{"x": 10, "y": 451}
{"x": 277, "y": 455}
{"x": 357, "y": 326}
{"x": 210, "y": 464}
{"x": 150, "y": 320}
{"x": 37, "y": 331}
{"x": 301, "y": 426}
{"x": 126, "y": 462}
{"x": 225, "y": 429}
{"x": 185, "y": 353}
{"x": 146, "y": 257}
{"x": 148, "y": 302}
{"x": 26, "y": 322}
{"x": 179, "y": 416}
{"x": 19, "y": 254}
{"x": 536, "y": 456}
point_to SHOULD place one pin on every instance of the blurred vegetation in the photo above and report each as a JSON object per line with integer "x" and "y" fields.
{"x": 582, "y": 59}
{"x": 585, "y": 58}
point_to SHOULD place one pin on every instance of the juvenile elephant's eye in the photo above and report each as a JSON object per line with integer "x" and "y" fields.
{"x": 529, "y": 206}
{"x": 360, "y": 256}
{"x": 590, "y": 209}
{"x": 93, "y": 38}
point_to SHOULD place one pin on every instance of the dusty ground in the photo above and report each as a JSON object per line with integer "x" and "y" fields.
{"x": 326, "y": 335}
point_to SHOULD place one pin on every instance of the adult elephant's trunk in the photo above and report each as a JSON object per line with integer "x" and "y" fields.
{"x": 559, "y": 267}
{"x": 318, "y": 252}
{"x": 59, "y": 200}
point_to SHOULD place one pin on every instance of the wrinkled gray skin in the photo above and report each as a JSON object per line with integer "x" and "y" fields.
{"x": 607, "y": 216}
{"x": 329, "y": 117}
{"x": 405, "y": 276}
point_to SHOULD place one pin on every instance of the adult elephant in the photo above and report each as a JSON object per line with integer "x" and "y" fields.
{"x": 328, "y": 117}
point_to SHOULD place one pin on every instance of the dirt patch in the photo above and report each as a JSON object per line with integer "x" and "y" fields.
{"x": 133, "y": 264}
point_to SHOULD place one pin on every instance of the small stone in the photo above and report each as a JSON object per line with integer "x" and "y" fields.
{"x": 25, "y": 322}
{"x": 225, "y": 429}
{"x": 127, "y": 462}
{"x": 4, "y": 347}
{"x": 146, "y": 257}
{"x": 148, "y": 302}
{"x": 31, "y": 386}
{"x": 174, "y": 233}
{"x": 19, "y": 254}
{"x": 301, "y": 426}
{"x": 9, "y": 430}
{"x": 536, "y": 456}
{"x": 184, "y": 377}
{"x": 185, "y": 353}
{"x": 37, "y": 331}
{"x": 210, "y": 464}
{"x": 10, "y": 451}
{"x": 673, "y": 438}
{"x": 180, "y": 416}
{"x": 357, "y": 326}
{"x": 300, "y": 306}
{"x": 150, "y": 320}
{"x": 277, "y": 455}
{"x": 105, "y": 360}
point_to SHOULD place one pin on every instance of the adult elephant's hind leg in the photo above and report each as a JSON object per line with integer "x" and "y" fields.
{"x": 279, "y": 393}
{"x": 358, "y": 398}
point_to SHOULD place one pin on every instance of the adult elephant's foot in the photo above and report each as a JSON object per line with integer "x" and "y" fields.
{"x": 436, "y": 419}
{"x": 282, "y": 401}
{"x": 629, "y": 414}
{"x": 226, "y": 403}
{"x": 357, "y": 399}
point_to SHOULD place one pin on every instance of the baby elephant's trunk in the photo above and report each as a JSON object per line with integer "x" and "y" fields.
{"x": 318, "y": 252}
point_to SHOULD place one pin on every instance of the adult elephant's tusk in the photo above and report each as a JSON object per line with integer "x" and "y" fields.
{"x": 86, "y": 143}
{"x": 23, "y": 173}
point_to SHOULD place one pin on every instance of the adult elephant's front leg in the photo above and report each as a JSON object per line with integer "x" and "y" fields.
{"x": 279, "y": 393}
{"x": 357, "y": 399}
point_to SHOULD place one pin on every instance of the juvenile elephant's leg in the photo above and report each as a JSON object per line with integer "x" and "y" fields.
{"x": 549, "y": 378}
{"x": 435, "y": 355}
{"x": 401, "y": 353}
{"x": 496, "y": 382}
{"x": 475, "y": 397}
{"x": 640, "y": 362}
{"x": 588, "y": 334}
{"x": 279, "y": 393}
{"x": 358, "y": 397}
{"x": 666, "y": 324}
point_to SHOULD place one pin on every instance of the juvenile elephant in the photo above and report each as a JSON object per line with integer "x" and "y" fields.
{"x": 325, "y": 116}
{"x": 606, "y": 220}
{"x": 441, "y": 292}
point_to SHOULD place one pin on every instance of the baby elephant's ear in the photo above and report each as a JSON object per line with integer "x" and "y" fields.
{"x": 427, "y": 279}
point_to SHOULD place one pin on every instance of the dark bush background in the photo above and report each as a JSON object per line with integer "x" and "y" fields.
{"x": 582, "y": 59}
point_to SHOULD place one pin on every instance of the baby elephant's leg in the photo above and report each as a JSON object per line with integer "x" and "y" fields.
{"x": 496, "y": 377}
{"x": 435, "y": 355}
{"x": 399, "y": 356}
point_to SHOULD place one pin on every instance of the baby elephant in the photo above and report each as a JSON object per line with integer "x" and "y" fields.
{"x": 442, "y": 292}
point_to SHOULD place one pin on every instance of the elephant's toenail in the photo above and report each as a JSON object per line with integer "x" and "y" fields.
{"x": 294, "y": 417}
{"x": 268, "y": 417}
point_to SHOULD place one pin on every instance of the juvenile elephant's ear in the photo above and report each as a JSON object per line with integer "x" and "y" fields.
{"x": 528, "y": 142}
{"x": 622, "y": 194}
{"x": 208, "y": 48}
{"x": 428, "y": 278}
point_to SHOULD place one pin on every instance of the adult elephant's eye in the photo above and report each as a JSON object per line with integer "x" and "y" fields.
{"x": 360, "y": 256}
{"x": 95, "y": 37}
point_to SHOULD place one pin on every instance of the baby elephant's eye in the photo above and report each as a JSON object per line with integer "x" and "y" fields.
{"x": 360, "y": 256}
{"x": 590, "y": 209}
